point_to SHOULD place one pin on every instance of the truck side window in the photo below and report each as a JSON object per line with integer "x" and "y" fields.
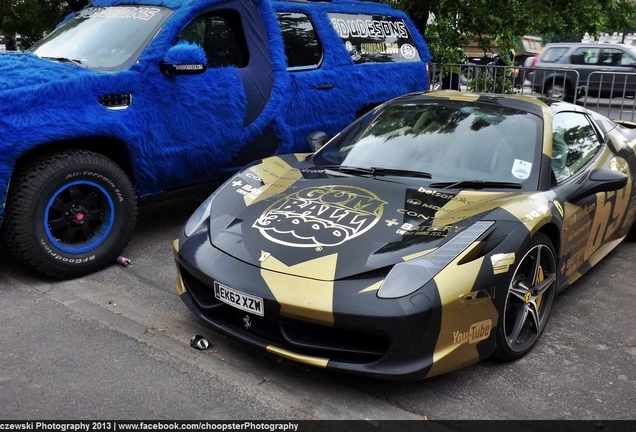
{"x": 302, "y": 47}
{"x": 220, "y": 33}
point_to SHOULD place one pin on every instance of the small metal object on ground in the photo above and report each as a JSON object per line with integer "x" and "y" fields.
{"x": 199, "y": 342}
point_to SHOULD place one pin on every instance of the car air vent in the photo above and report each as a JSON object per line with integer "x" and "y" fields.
{"x": 116, "y": 101}
{"x": 380, "y": 273}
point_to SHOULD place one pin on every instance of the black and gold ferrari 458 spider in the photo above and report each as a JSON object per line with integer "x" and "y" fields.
{"x": 431, "y": 233}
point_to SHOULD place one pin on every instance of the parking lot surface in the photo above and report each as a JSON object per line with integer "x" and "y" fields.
{"x": 115, "y": 344}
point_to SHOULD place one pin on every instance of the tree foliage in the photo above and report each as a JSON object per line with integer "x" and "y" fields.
{"x": 453, "y": 23}
{"x": 31, "y": 19}
{"x": 448, "y": 24}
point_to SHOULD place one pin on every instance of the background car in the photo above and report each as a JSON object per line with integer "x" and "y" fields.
{"x": 431, "y": 233}
{"x": 592, "y": 69}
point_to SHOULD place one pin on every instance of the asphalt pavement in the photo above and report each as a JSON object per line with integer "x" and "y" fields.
{"x": 115, "y": 345}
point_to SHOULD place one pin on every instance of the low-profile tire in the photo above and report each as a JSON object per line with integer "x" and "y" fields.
{"x": 69, "y": 213}
{"x": 528, "y": 301}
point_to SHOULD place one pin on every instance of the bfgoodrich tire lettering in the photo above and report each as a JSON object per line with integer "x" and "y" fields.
{"x": 69, "y": 213}
{"x": 529, "y": 300}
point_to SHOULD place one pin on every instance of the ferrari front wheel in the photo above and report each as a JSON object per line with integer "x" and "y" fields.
{"x": 528, "y": 301}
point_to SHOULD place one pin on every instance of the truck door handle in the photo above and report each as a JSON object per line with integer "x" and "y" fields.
{"x": 327, "y": 86}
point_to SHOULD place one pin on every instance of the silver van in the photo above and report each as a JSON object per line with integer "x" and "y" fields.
{"x": 563, "y": 70}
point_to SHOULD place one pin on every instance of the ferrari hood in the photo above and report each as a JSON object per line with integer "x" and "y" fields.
{"x": 289, "y": 216}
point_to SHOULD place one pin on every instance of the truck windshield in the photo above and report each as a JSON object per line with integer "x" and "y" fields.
{"x": 103, "y": 38}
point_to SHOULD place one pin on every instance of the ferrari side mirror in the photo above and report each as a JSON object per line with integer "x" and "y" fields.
{"x": 600, "y": 180}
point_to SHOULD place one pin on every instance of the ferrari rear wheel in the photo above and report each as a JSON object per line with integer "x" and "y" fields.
{"x": 529, "y": 300}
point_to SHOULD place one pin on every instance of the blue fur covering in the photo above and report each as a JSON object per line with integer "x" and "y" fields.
{"x": 178, "y": 130}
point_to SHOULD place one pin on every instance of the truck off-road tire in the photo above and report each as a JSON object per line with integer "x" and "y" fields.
{"x": 69, "y": 213}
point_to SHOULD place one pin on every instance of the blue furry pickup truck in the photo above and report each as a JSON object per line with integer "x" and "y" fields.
{"x": 127, "y": 100}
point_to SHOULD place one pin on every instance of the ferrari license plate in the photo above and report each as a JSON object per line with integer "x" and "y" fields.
{"x": 239, "y": 300}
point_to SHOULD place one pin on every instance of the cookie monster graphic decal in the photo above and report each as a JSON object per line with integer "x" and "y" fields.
{"x": 321, "y": 216}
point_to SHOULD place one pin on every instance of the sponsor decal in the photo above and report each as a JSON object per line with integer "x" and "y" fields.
{"x": 593, "y": 224}
{"x": 320, "y": 216}
{"x": 584, "y": 229}
{"x": 413, "y": 214}
{"x": 408, "y": 229}
{"x": 408, "y": 51}
{"x": 140, "y": 13}
{"x": 477, "y": 332}
{"x": 573, "y": 263}
{"x": 379, "y": 48}
{"x": 245, "y": 189}
{"x": 609, "y": 217}
{"x": 193, "y": 66}
{"x": 435, "y": 193}
{"x": 535, "y": 214}
{"x": 501, "y": 262}
{"x": 375, "y": 38}
{"x": 559, "y": 207}
{"x": 475, "y": 297}
{"x": 253, "y": 176}
{"x": 441, "y": 195}
{"x": 368, "y": 28}
{"x": 419, "y": 203}
{"x": 391, "y": 222}
{"x": 353, "y": 51}
{"x": 277, "y": 175}
{"x": 521, "y": 169}
{"x": 586, "y": 209}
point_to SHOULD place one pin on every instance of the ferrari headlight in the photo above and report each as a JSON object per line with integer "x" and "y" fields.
{"x": 407, "y": 277}
{"x": 199, "y": 216}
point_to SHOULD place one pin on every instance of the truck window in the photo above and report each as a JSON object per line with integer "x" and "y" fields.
{"x": 375, "y": 38}
{"x": 220, "y": 33}
{"x": 302, "y": 47}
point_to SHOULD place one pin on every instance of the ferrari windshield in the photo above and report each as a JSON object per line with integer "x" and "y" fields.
{"x": 453, "y": 141}
{"x": 103, "y": 38}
